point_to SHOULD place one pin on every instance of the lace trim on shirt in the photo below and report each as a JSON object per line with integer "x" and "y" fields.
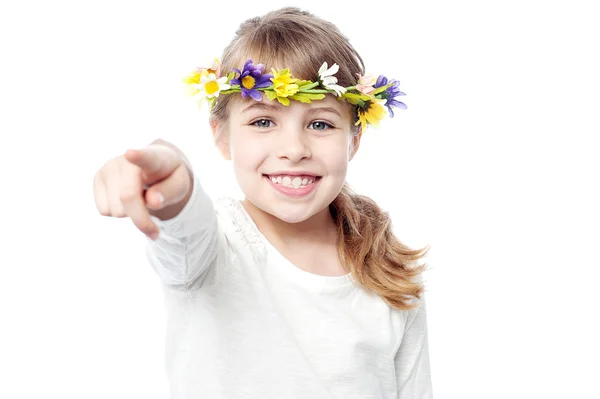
{"x": 243, "y": 226}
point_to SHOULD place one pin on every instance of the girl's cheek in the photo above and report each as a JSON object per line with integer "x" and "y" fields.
{"x": 248, "y": 154}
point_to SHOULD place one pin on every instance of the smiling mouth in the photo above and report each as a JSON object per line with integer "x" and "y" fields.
{"x": 293, "y": 181}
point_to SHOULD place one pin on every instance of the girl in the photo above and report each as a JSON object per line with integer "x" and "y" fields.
{"x": 300, "y": 290}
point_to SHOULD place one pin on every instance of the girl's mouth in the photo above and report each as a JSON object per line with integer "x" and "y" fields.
{"x": 293, "y": 181}
{"x": 293, "y": 185}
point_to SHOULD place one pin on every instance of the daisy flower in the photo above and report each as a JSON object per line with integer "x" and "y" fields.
{"x": 329, "y": 81}
{"x": 210, "y": 86}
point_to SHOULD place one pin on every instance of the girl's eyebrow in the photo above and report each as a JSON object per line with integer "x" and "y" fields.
{"x": 276, "y": 108}
{"x": 324, "y": 109}
{"x": 262, "y": 106}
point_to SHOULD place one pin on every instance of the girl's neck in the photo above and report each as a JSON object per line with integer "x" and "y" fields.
{"x": 320, "y": 227}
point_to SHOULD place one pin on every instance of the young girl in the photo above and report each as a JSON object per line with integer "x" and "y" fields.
{"x": 300, "y": 290}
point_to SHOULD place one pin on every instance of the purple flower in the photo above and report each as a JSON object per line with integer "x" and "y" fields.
{"x": 251, "y": 78}
{"x": 390, "y": 93}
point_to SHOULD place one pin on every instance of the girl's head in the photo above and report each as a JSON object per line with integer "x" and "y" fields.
{"x": 273, "y": 146}
{"x": 294, "y": 39}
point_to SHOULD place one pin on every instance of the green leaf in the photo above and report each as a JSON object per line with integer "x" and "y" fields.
{"x": 271, "y": 94}
{"x": 230, "y": 75}
{"x": 307, "y": 97}
{"x": 319, "y": 91}
{"x": 380, "y": 89}
{"x": 354, "y": 98}
{"x": 306, "y": 84}
{"x": 211, "y": 103}
{"x": 232, "y": 89}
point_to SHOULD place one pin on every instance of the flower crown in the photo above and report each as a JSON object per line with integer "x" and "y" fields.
{"x": 370, "y": 94}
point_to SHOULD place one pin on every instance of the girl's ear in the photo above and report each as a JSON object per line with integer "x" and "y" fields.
{"x": 355, "y": 143}
{"x": 221, "y": 138}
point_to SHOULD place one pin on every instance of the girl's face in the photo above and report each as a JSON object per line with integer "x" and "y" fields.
{"x": 290, "y": 161}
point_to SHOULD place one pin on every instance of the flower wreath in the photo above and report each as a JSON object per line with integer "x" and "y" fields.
{"x": 370, "y": 94}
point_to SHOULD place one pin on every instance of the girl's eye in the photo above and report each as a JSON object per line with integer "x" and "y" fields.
{"x": 320, "y": 125}
{"x": 262, "y": 123}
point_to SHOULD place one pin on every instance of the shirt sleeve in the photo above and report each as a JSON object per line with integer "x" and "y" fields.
{"x": 188, "y": 246}
{"x": 412, "y": 358}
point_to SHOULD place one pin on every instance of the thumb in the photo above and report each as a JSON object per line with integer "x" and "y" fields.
{"x": 171, "y": 190}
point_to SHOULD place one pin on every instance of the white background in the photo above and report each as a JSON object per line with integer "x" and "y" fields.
{"x": 494, "y": 164}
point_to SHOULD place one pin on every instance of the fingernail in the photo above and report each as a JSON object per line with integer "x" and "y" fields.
{"x": 153, "y": 236}
{"x": 160, "y": 198}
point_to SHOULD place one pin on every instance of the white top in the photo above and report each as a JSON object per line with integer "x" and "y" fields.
{"x": 244, "y": 322}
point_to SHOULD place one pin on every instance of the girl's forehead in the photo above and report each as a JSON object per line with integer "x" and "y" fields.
{"x": 241, "y": 105}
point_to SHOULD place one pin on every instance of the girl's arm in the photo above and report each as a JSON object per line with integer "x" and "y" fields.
{"x": 171, "y": 211}
{"x": 412, "y": 358}
{"x": 190, "y": 243}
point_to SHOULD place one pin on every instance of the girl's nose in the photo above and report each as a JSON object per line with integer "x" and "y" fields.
{"x": 293, "y": 146}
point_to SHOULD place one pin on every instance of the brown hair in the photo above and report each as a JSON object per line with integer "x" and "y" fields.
{"x": 296, "y": 39}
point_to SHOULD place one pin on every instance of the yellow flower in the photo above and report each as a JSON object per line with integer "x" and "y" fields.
{"x": 283, "y": 85}
{"x": 371, "y": 113}
{"x": 193, "y": 78}
{"x": 192, "y": 81}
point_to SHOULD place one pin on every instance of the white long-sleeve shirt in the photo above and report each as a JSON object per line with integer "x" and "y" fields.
{"x": 244, "y": 322}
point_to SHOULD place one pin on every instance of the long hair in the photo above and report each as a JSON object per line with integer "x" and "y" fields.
{"x": 296, "y": 39}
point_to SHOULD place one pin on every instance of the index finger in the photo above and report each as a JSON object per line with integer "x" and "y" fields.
{"x": 132, "y": 199}
{"x": 145, "y": 158}
{"x": 156, "y": 161}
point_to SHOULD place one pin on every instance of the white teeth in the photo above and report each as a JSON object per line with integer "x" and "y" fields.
{"x": 292, "y": 181}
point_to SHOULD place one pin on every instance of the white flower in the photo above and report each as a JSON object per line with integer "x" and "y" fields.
{"x": 328, "y": 80}
{"x": 210, "y": 86}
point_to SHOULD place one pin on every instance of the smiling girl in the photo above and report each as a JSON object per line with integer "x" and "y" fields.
{"x": 300, "y": 290}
